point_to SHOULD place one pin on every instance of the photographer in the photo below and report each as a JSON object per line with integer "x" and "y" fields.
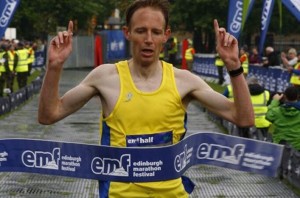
{"x": 284, "y": 113}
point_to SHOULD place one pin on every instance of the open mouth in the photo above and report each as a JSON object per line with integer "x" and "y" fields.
{"x": 147, "y": 52}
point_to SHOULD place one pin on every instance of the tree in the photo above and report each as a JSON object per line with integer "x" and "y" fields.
{"x": 38, "y": 18}
{"x": 197, "y": 16}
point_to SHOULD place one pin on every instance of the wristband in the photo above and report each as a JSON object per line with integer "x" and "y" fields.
{"x": 236, "y": 72}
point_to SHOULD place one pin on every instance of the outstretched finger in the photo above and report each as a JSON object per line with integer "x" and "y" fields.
{"x": 70, "y": 27}
{"x": 216, "y": 27}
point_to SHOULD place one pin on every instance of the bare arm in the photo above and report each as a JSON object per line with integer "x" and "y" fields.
{"x": 240, "y": 111}
{"x": 52, "y": 107}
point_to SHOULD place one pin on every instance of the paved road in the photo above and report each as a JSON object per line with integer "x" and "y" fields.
{"x": 211, "y": 182}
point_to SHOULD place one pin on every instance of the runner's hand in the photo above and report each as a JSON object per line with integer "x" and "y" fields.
{"x": 227, "y": 47}
{"x": 61, "y": 47}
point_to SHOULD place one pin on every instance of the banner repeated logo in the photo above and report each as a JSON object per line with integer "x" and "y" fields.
{"x": 265, "y": 21}
{"x": 238, "y": 13}
{"x": 139, "y": 164}
{"x": 7, "y": 10}
{"x": 235, "y": 17}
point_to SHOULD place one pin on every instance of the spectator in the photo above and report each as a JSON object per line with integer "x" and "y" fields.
{"x": 6, "y": 75}
{"x": 189, "y": 55}
{"x": 284, "y": 113}
{"x": 2, "y": 70}
{"x": 244, "y": 60}
{"x": 172, "y": 46}
{"x": 260, "y": 99}
{"x": 31, "y": 47}
{"x": 295, "y": 74}
{"x": 272, "y": 58}
{"x": 22, "y": 66}
{"x": 254, "y": 58}
{"x": 12, "y": 64}
{"x": 219, "y": 63}
{"x": 290, "y": 60}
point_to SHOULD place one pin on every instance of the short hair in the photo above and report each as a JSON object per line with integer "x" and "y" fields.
{"x": 292, "y": 51}
{"x": 162, "y": 5}
{"x": 291, "y": 93}
{"x": 252, "y": 80}
{"x": 270, "y": 49}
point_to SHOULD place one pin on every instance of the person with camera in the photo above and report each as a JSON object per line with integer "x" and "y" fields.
{"x": 284, "y": 113}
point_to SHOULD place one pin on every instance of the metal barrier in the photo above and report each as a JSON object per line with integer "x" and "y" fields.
{"x": 274, "y": 79}
{"x": 15, "y": 99}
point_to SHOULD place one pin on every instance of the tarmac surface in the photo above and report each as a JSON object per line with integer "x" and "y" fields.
{"x": 83, "y": 126}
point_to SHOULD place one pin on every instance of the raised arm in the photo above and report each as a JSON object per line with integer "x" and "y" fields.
{"x": 240, "y": 111}
{"x": 52, "y": 108}
{"x": 227, "y": 47}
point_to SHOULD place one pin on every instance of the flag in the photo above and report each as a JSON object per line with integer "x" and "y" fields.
{"x": 235, "y": 17}
{"x": 7, "y": 10}
{"x": 265, "y": 21}
{"x": 238, "y": 12}
{"x": 293, "y": 6}
{"x": 247, "y": 7}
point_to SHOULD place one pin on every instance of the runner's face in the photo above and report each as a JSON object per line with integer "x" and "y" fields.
{"x": 147, "y": 34}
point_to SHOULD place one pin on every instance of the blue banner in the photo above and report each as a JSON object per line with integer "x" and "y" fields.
{"x": 139, "y": 164}
{"x": 7, "y": 10}
{"x": 235, "y": 17}
{"x": 265, "y": 21}
{"x": 39, "y": 59}
{"x": 115, "y": 45}
{"x": 293, "y": 6}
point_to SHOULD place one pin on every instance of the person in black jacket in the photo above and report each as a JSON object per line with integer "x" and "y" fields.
{"x": 272, "y": 58}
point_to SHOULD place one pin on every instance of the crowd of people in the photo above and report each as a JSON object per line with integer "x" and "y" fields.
{"x": 277, "y": 115}
{"x": 16, "y": 59}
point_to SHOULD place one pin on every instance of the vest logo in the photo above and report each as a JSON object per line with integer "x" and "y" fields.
{"x": 128, "y": 97}
{"x": 221, "y": 153}
{"x": 183, "y": 159}
{"x": 110, "y": 166}
{"x": 40, "y": 159}
{"x": 7, "y": 12}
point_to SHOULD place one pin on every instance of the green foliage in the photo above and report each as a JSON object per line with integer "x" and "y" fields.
{"x": 38, "y": 18}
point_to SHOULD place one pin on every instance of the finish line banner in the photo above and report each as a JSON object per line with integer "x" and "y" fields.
{"x": 139, "y": 164}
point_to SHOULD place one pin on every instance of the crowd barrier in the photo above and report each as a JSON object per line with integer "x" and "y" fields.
{"x": 273, "y": 79}
{"x": 15, "y": 99}
{"x": 290, "y": 163}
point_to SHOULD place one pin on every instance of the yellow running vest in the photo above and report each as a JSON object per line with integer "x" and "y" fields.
{"x": 144, "y": 119}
